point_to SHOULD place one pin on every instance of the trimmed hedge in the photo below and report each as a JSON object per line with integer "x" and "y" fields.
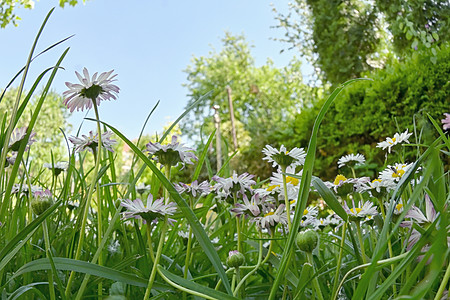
{"x": 368, "y": 112}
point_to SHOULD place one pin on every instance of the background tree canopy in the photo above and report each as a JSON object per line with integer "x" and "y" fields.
{"x": 7, "y": 8}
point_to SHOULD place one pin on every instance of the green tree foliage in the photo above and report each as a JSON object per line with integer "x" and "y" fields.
{"x": 52, "y": 119}
{"x": 368, "y": 112}
{"x": 7, "y": 7}
{"x": 264, "y": 98}
{"x": 344, "y": 38}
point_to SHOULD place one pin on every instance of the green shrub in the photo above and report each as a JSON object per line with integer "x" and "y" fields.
{"x": 368, "y": 112}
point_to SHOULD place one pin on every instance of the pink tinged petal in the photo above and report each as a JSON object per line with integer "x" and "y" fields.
{"x": 416, "y": 214}
{"x": 429, "y": 209}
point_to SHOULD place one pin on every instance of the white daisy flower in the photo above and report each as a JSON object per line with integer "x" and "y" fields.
{"x": 154, "y": 210}
{"x": 398, "y": 208}
{"x": 394, "y": 173}
{"x": 81, "y": 96}
{"x": 57, "y": 168}
{"x": 250, "y": 208}
{"x": 142, "y": 188}
{"x": 292, "y": 184}
{"x": 284, "y": 158}
{"x": 91, "y": 142}
{"x": 271, "y": 218}
{"x": 397, "y": 139}
{"x": 25, "y": 189}
{"x": 359, "y": 159}
{"x": 194, "y": 188}
{"x": 17, "y": 137}
{"x": 171, "y": 154}
{"x": 358, "y": 213}
{"x": 234, "y": 184}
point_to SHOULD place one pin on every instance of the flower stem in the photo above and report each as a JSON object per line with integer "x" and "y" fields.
{"x": 238, "y": 227}
{"x": 361, "y": 242}
{"x": 157, "y": 258}
{"x": 338, "y": 266}
{"x": 315, "y": 280}
{"x": 286, "y": 198}
{"x": 87, "y": 205}
{"x": 51, "y": 287}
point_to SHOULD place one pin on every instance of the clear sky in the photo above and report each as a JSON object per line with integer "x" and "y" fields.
{"x": 147, "y": 43}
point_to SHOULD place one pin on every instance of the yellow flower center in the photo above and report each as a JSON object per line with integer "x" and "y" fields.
{"x": 393, "y": 141}
{"x": 292, "y": 180}
{"x": 376, "y": 180}
{"x": 272, "y": 187}
{"x": 355, "y": 210}
{"x": 339, "y": 178}
{"x": 269, "y": 213}
{"x": 398, "y": 174}
{"x": 399, "y": 206}
{"x": 292, "y": 201}
{"x": 305, "y": 212}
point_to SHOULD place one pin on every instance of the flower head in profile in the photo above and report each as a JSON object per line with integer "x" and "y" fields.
{"x": 446, "y": 122}
{"x": 91, "y": 142}
{"x": 171, "y": 154}
{"x": 154, "y": 210}
{"x": 234, "y": 184}
{"x": 194, "y": 188}
{"x": 57, "y": 168}
{"x": 357, "y": 159}
{"x": 18, "y": 136}
{"x": 81, "y": 95}
{"x": 283, "y": 157}
{"x": 250, "y": 207}
{"x": 397, "y": 139}
{"x": 142, "y": 188}
{"x": 272, "y": 218}
{"x": 41, "y": 202}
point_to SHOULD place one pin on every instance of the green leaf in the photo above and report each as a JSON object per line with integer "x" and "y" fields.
{"x": 435, "y": 36}
{"x": 409, "y": 35}
{"x": 329, "y": 197}
{"x": 67, "y": 264}
{"x": 202, "y": 157}
{"x": 178, "y": 282}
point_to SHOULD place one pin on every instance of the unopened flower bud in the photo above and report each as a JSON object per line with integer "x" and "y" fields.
{"x": 41, "y": 202}
{"x": 235, "y": 259}
{"x": 307, "y": 240}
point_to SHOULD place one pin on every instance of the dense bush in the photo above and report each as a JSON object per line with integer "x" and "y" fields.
{"x": 368, "y": 112}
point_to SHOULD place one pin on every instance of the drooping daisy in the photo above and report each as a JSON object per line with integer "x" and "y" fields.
{"x": 171, "y": 154}
{"x": 24, "y": 189}
{"x": 446, "y": 122}
{"x": 284, "y": 158}
{"x": 250, "y": 208}
{"x": 358, "y": 159}
{"x": 234, "y": 184}
{"x": 272, "y": 218}
{"x": 91, "y": 142}
{"x": 194, "y": 188}
{"x": 17, "y": 136}
{"x": 81, "y": 96}
{"x": 397, "y": 139}
{"x": 57, "y": 168}
{"x": 155, "y": 209}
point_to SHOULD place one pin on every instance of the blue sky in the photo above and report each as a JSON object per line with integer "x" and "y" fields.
{"x": 147, "y": 43}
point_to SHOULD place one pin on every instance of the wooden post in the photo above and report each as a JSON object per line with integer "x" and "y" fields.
{"x": 233, "y": 127}
{"x": 218, "y": 137}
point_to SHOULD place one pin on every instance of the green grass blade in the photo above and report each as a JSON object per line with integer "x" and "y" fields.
{"x": 304, "y": 188}
{"x": 329, "y": 197}
{"x": 202, "y": 157}
{"x": 192, "y": 286}
{"x": 67, "y": 264}
{"x": 200, "y": 234}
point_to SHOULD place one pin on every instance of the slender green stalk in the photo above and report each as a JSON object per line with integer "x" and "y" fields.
{"x": 149, "y": 241}
{"x": 99, "y": 235}
{"x": 338, "y": 266}
{"x": 286, "y": 198}
{"x": 51, "y": 286}
{"x": 443, "y": 284}
{"x": 361, "y": 242}
{"x": 97, "y": 155}
{"x": 315, "y": 280}
{"x": 162, "y": 238}
{"x": 188, "y": 258}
